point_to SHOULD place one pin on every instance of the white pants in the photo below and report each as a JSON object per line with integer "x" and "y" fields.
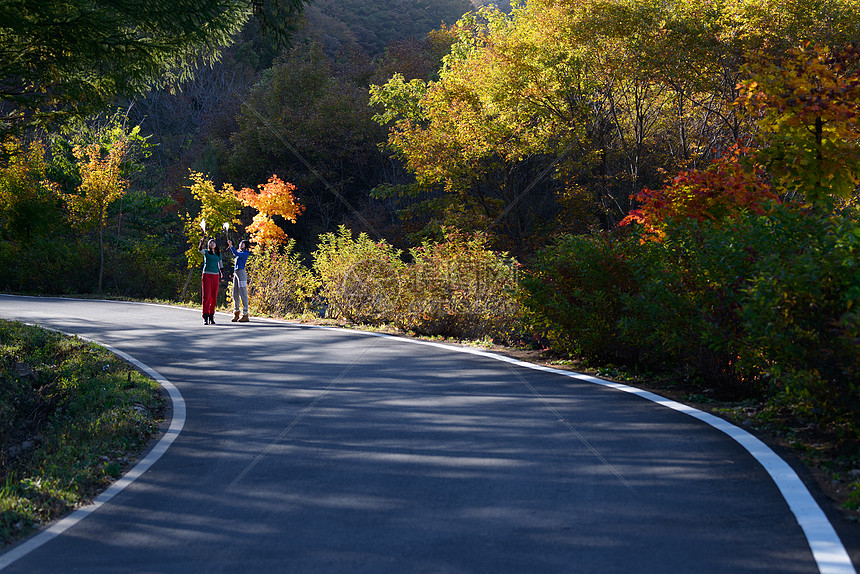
{"x": 240, "y": 290}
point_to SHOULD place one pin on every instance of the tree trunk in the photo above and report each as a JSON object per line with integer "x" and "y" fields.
{"x": 185, "y": 287}
{"x": 819, "y": 156}
{"x": 101, "y": 254}
{"x": 116, "y": 250}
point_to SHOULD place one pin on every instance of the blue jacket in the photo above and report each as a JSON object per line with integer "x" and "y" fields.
{"x": 241, "y": 257}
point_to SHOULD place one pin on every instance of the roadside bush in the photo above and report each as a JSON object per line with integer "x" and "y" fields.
{"x": 573, "y": 294}
{"x": 459, "y": 288}
{"x": 757, "y": 304}
{"x": 801, "y": 308}
{"x": 686, "y": 309}
{"x": 278, "y": 283}
{"x": 143, "y": 268}
{"x": 49, "y": 265}
{"x": 360, "y": 278}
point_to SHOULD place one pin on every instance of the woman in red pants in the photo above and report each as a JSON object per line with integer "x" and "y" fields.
{"x": 211, "y": 279}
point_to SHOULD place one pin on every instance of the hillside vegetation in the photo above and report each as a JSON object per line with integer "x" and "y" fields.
{"x": 375, "y": 24}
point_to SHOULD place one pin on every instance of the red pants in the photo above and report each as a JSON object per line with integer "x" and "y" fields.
{"x": 210, "y": 292}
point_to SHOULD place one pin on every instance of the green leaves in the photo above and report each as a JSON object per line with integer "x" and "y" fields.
{"x": 755, "y": 304}
{"x": 279, "y": 284}
{"x": 65, "y": 58}
{"x": 359, "y": 276}
{"x": 456, "y": 287}
{"x": 399, "y": 100}
{"x": 459, "y": 288}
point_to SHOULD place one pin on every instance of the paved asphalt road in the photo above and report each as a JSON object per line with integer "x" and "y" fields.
{"x": 319, "y": 450}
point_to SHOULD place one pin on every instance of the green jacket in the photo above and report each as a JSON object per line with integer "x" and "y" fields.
{"x": 210, "y": 261}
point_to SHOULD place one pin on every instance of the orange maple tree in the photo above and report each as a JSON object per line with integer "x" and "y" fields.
{"x": 274, "y": 198}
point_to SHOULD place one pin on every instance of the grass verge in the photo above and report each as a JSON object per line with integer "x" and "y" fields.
{"x": 73, "y": 416}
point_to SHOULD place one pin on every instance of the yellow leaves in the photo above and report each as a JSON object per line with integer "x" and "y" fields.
{"x": 23, "y": 175}
{"x": 776, "y": 24}
{"x": 101, "y": 182}
{"x": 27, "y": 197}
{"x": 216, "y": 206}
{"x": 274, "y": 198}
{"x": 504, "y": 93}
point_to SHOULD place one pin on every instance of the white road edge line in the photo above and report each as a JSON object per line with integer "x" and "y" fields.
{"x": 827, "y": 549}
{"x": 176, "y": 424}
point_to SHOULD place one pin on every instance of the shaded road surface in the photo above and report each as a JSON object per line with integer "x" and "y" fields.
{"x": 319, "y": 450}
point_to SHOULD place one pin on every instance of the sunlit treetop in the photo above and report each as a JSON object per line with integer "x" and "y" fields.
{"x": 272, "y": 198}
{"x": 807, "y": 106}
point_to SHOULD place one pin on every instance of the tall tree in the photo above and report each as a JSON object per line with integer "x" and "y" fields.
{"x": 60, "y": 58}
{"x": 101, "y": 184}
{"x": 309, "y": 122}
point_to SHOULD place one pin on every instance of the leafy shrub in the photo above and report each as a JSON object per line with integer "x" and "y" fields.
{"x": 755, "y": 303}
{"x": 458, "y": 288}
{"x": 801, "y": 307}
{"x": 360, "y": 278}
{"x": 573, "y": 294}
{"x": 686, "y": 308}
{"x": 278, "y": 283}
{"x": 50, "y": 265}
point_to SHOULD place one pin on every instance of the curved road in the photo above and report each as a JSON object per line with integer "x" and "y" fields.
{"x": 317, "y": 450}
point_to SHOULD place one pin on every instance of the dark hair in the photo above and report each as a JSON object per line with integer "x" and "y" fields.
{"x": 245, "y": 242}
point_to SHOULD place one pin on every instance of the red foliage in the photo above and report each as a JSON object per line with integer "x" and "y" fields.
{"x": 724, "y": 188}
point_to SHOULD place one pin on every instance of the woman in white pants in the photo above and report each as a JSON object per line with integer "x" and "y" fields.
{"x": 240, "y": 280}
